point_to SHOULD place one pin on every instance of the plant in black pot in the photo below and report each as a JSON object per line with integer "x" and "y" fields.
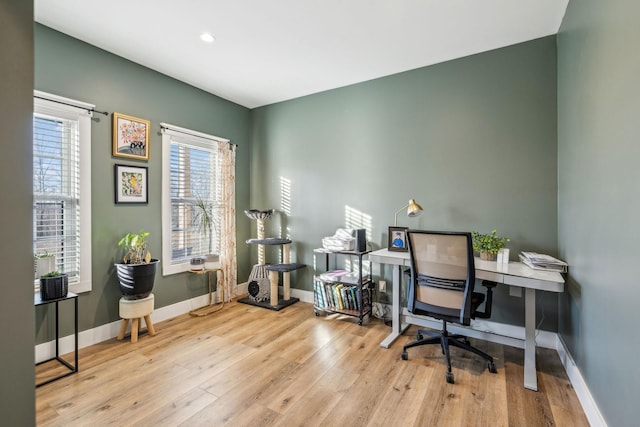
{"x": 54, "y": 285}
{"x": 137, "y": 270}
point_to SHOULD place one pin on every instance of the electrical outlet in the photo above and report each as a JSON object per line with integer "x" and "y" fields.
{"x": 382, "y": 285}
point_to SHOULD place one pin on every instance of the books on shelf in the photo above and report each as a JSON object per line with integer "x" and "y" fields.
{"x": 337, "y": 296}
{"x": 543, "y": 262}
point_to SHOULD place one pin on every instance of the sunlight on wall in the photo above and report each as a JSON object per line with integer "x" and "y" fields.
{"x": 285, "y": 207}
{"x": 285, "y": 195}
{"x": 356, "y": 219}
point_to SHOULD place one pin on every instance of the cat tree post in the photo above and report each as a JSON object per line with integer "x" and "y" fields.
{"x": 260, "y": 224}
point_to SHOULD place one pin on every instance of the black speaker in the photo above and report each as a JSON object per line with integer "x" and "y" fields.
{"x": 361, "y": 240}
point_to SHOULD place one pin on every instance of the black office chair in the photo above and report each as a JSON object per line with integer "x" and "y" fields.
{"x": 442, "y": 282}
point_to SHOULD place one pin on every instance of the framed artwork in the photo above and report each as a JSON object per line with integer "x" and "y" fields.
{"x": 398, "y": 239}
{"x": 131, "y": 184}
{"x": 130, "y": 137}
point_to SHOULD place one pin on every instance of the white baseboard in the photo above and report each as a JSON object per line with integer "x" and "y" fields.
{"x": 486, "y": 330}
{"x": 580, "y": 386}
{"x": 242, "y": 289}
{"x": 481, "y": 329}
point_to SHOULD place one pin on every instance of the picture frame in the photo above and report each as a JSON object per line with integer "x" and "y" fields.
{"x": 398, "y": 239}
{"x": 131, "y": 184}
{"x": 130, "y": 137}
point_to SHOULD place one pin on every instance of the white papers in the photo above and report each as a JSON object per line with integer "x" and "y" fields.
{"x": 543, "y": 262}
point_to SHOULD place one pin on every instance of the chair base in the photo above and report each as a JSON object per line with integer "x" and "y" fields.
{"x": 445, "y": 340}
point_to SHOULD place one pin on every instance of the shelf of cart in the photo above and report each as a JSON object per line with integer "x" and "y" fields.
{"x": 331, "y": 251}
{"x": 366, "y": 281}
{"x": 353, "y": 313}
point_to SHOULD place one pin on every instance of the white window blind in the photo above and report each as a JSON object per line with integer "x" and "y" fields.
{"x": 61, "y": 179}
{"x": 192, "y": 186}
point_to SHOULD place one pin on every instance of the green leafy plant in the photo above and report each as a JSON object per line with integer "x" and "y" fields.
{"x": 135, "y": 248}
{"x": 490, "y": 243}
{"x": 204, "y": 218}
{"x": 43, "y": 255}
{"x": 53, "y": 274}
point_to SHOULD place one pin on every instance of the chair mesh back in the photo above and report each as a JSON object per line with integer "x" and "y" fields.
{"x": 440, "y": 272}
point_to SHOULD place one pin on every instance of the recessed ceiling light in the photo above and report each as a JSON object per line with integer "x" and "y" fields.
{"x": 206, "y": 37}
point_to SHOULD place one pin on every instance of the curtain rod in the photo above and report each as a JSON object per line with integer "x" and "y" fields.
{"x": 91, "y": 110}
{"x": 178, "y": 129}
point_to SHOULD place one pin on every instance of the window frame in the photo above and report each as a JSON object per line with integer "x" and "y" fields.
{"x": 69, "y": 109}
{"x": 197, "y": 140}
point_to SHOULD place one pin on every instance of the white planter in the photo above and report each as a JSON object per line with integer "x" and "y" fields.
{"x": 211, "y": 262}
{"x": 45, "y": 265}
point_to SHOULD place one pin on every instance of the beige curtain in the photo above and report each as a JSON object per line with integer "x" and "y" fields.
{"x": 228, "y": 261}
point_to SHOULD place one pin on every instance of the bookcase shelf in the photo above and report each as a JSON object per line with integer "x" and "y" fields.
{"x": 341, "y": 291}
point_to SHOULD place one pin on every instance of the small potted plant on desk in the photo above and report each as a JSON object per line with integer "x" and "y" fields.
{"x": 488, "y": 245}
{"x": 137, "y": 270}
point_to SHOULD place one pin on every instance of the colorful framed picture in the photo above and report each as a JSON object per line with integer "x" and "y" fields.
{"x": 131, "y": 184}
{"x": 130, "y": 137}
{"x": 398, "y": 239}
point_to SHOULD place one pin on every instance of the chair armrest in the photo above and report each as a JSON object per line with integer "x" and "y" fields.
{"x": 486, "y": 314}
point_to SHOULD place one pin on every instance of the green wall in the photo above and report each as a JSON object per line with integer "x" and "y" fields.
{"x": 599, "y": 203}
{"x": 68, "y": 67}
{"x": 17, "y": 397}
{"x": 473, "y": 140}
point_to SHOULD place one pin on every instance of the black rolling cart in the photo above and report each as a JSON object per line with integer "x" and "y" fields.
{"x": 341, "y": 291}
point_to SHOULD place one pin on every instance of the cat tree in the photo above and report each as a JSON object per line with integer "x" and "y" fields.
{"x": 263, "y": 280}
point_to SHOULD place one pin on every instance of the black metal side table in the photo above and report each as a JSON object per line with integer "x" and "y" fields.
{"x": 37, "y": 301}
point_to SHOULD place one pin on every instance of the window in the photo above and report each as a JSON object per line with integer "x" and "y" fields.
{"x": 192, "y": 196}
{"x": 61, "y": 179}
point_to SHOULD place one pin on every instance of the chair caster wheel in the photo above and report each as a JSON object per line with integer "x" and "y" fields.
{"x": 405, "y": 356}
{"x": 492, "y": 368}
{"x": 450, "y": 377}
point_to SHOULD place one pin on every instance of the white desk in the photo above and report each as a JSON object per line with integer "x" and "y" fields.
{"x": 514, "y": 274}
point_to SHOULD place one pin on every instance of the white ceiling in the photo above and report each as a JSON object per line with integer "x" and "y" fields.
{"x": 268, "y": 51}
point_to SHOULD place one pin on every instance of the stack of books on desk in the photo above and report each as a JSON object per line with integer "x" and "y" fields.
{"x": 543, "y": 262}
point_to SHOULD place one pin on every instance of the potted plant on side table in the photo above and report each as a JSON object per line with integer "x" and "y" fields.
{"x": 54, "y": 285}
{"x": 137, "y": 271}
{"x": 488, "y": 245}
{"x": 205, "y": 219}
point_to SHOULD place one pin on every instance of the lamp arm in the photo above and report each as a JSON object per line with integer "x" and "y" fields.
{"x": 395, "y": 219}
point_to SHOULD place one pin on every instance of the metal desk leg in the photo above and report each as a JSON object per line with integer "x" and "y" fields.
{"x": 530, "y": 379}
{"x": 397, "y": 326}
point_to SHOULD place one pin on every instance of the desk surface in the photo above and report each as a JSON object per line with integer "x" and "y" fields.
{"x": 514, "y": 274}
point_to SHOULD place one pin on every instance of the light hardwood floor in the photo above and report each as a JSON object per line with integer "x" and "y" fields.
{"x": 247, "y": 366}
